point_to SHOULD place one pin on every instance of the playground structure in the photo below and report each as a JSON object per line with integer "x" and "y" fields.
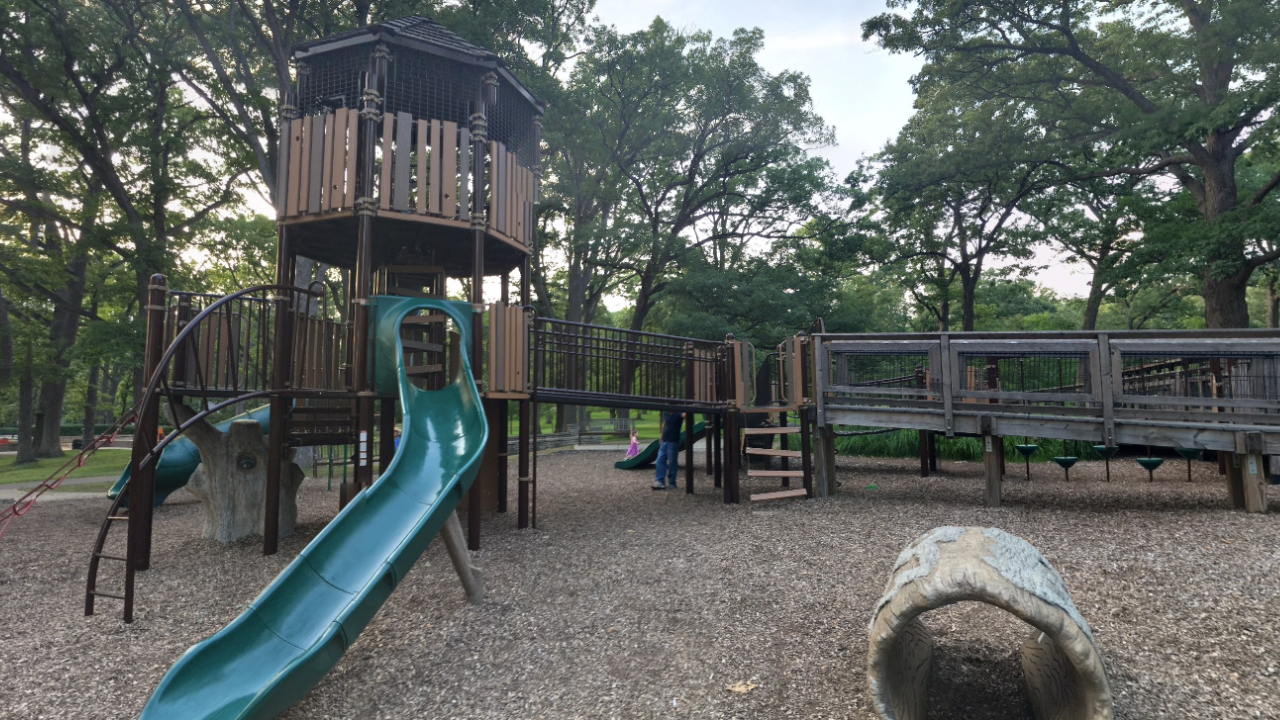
{"x": 411, "y": 158}
{"x": 1197, "y": 390}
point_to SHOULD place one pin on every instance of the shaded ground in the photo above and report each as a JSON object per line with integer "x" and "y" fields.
{"x": 630, "y": 603}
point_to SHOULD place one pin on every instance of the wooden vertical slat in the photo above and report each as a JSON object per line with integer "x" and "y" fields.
{"x": 384, "y": 179}
{"x": 315, "y": 181}
{"x": 295, "y": 164}
{"x": 464, "y": 174}
{"x": 304, "y": 172}
{"x": 513, "y": 194}
{"x": 492, "y": 353}
{"x": 330, "y": 130}
{"x": 433, "y": 202}
{"x": 423, "y": 172}
{"x": 449, "y": 169}
{"x": 352, "y": 134}
{"x": 400, "y": 183}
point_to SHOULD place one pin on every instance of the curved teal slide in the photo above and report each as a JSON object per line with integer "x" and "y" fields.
{"x": 299, "y": 627}
{"x": 650, "y": 453}
{"x": 181, "y": 458}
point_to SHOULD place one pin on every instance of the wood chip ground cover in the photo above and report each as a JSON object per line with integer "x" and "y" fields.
{"x": 628, "y": 603}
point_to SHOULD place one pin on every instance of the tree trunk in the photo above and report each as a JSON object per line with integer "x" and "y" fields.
{"x": 26, "y": 411}
{"x": 1093, "y": 304}
{"x": 62, "y": 336}
{"x": 1225, "y": 305}
{"x": 90, "y": 407}
{"x": 1273, "y": 302}
{"x": 231, "y": 479}
{"x": 6, "y": 343}
{"x": 969, "y": 291}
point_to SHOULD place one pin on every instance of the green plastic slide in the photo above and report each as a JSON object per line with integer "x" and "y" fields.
{"x": 181, "y": 457}
{"x": 650, "y": 453}
{"x": 299, "y": 627}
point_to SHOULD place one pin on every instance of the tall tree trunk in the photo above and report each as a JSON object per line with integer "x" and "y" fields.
{"x": 26, "y": 410}
{"x": 1225, "y": 303}
{"x": 6, "y": 343}
{"x": 969, "y": 292}
{"x": 62, "y": 335}
{"x": 90, "y": 407}
{"x": 1093, "y": 304}
{"x": 1273, "y": 301}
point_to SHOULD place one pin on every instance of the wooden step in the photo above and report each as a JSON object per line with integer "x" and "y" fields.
{"x": 774, "y": 453}
{"x": 772, "y": 430}
{"x": 415, "y": 345}
{"x": 423, "y": 369}
{"x": 776, "y": 473}
{"x": 423, "y": 319}
{"x": 767, "y": 409}
{"x": 779, "y": 495}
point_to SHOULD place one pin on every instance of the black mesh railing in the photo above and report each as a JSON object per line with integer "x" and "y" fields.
{"x": 585, "y": 364}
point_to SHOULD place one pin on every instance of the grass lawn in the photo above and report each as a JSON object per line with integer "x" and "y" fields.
{"x": 647, "y": 426}
{"x": 101, "y": 463}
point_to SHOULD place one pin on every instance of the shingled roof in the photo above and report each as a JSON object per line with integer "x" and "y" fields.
{"x": 412, "y": 28}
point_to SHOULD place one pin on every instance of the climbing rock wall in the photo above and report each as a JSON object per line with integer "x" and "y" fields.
{"x": 1063, "y": 669}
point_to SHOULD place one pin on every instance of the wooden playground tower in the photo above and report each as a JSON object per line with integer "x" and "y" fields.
{"x": 409, "y": 157}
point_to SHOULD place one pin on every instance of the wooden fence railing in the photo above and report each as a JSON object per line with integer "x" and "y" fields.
{"x": 1186, "y": 389}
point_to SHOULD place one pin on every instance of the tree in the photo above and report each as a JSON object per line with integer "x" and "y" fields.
{"x": 1094, "y": 222}
{"x": 1143, "y": 88}
{"x": 953, "y": 183}
{"x": 707, "y": 145}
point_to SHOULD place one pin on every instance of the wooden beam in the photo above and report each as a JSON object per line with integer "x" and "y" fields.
{"x": 779, "y": 495}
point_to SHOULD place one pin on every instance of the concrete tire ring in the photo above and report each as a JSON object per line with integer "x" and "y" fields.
{"x": 1061, "y": 664}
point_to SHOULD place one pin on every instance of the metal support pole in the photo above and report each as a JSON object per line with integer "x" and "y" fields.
{"x": 501, "y": 422}
{"x": 486, "y": 94}
{"x": 281, "y": 362}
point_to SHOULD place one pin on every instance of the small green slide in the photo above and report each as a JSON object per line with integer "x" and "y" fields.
{"x": 650, "y": 453}
{"x": 181, "y": 458}
{"x": 299, "y": 627}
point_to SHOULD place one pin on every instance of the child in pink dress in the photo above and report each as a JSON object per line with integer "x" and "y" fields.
{"x": 634, "y": 450}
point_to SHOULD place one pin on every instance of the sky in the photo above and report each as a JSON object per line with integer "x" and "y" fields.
{"x": 858, "y": 88}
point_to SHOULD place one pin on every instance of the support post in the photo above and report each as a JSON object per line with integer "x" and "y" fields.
{"x": 281, "y": 366}
{"x": 933, "y": 451}
{"x": 1235, "y": 479}
{"x": 688, "y": 419}
{"x": 991, "y": 452}
{"x": 717, "y": 452}
{"x": 824, "y": 472}
{"x": 386, "y": 433}
{"x": 500, "y": 426}
{"x": 1252, "y": 472}
{"x": 733, "y": 455}
{"x": 142, "y": 485}
{"x": 923, "y": 434}
{"x": 522, "y": 482}
{"x": 486, "y": 95}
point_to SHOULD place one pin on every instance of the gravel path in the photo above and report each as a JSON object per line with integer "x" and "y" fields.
{"x": 629, "y": 603}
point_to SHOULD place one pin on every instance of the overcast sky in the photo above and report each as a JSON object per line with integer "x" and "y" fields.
{"x": 859, "y": 89}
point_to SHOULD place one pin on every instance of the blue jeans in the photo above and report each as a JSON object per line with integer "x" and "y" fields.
{"x": 668, "y": 463}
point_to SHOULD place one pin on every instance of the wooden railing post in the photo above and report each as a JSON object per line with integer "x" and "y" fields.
{"x": 142, "y": 484}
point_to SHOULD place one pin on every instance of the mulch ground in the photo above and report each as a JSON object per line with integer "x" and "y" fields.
{"x": 630, "y": 603}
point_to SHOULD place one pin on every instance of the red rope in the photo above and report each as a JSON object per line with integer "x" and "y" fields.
{"x": 23, "y": 505}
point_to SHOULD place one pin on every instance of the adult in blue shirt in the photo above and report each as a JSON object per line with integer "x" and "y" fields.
{"x": 669, "y": 452}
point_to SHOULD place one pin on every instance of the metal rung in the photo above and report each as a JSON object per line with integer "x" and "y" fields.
{"x": 415, "y": 345}
{"x": 772, "y": 430}
{"x": 423, "y": 319}
{"x": 114, "y": 518}
{"x": 780, "y": 495}
{"x": 423, "y": 369}
{"x": 776, "y": 473}
{"x": 110, "y": 557}
{"x": 110, "y": 595}
{"x": 774, "y": 453}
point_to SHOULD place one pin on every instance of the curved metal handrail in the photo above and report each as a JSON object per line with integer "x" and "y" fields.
{"x": 156, "y": 378}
